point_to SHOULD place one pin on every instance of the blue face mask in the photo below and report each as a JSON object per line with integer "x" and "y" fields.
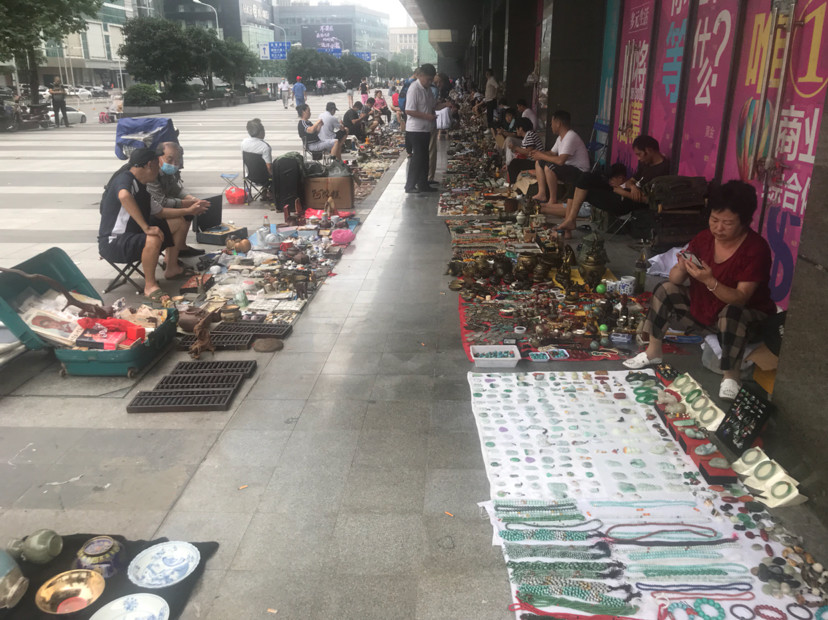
{"x": 168, "y": 168}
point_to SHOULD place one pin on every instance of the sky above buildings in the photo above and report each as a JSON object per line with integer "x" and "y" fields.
{"x": 398, "y": 16}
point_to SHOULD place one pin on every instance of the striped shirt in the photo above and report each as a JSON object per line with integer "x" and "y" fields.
{"x": 532, "y": 141}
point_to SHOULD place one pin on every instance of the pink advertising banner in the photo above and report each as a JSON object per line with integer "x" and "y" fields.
{"x": 803, "y": 86}
{"x": 669, "y": 59}
{"x": 631, "y": 77}
{"x": 710, "y": 68}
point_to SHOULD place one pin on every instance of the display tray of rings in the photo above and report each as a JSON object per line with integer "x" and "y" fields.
{"x": 600, "y": 512}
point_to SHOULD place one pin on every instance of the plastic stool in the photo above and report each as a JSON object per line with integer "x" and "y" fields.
{"x": 229, "y": 179}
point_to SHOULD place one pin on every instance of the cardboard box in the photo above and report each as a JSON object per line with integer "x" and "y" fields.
{"x": 318, "y": 189}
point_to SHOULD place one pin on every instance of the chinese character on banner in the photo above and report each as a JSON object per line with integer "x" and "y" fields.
{"x": 708, "y": 75}
{"x": 636, "y": 111}
{"x": 674, "y": 56}
{"x": 790, "y": 132}
{"x": 677, "y": 6}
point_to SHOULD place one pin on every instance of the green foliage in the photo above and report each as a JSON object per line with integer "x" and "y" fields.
{"x": 353, "y": 69}
{"x": 141, "y": 94}
{"x": 181, "y": 92}
{"x": 26, "y": 24}
{"x": 205, "y": 46}
{"x": 157, "y": 50}
{"x": 234, "y": 62}
{"x": 310, "y": 64}
{"x": 275, "y": 68}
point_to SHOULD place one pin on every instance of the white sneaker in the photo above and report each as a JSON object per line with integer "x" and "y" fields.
{"x": 641, "y": 361}
{"x": 729, "y": 389}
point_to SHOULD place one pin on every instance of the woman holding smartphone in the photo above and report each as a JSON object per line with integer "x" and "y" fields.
{"x": 719, "y": 285}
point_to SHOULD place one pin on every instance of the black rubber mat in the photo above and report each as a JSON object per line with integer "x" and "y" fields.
{"x": 255, "y": 329}
{"x": 230, "y": 381}
{"x": 201, "y": 399}
{"x": 245, "y": 367}
{"x": 231, "y": 342}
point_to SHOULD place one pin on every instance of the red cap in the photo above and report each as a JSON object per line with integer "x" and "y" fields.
{"x": 298, "y": 77}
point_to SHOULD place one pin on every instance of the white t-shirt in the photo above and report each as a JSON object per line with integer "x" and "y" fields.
{"x": 530, "y": 114}
{"x": 572, "y": 145}
{"x": 258, "y": 146}
{"x": 491, "y": 89}
{"x": 283, "y": 86}
{"x": 419, "y": 99}
{"x": 330, "y": 124}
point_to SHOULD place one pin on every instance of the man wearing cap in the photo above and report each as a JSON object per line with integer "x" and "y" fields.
{"x": 132, "y": 226}
{"x": 299, "y": 91}
{"x": 58, "y": 93}
{"x": 331, "y": 131}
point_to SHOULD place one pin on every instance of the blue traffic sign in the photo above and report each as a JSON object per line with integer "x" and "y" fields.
{"x": 333, "y": 51}
{"x": 275, "y": 50}
{"x": 366, "y": 56}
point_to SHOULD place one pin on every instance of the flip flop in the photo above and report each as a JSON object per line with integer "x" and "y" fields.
{"x": 159, "y": 296}
{"x": 188, "y": 252}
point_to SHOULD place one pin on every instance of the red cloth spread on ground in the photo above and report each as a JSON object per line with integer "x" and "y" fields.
{"x": 132, "y": 331}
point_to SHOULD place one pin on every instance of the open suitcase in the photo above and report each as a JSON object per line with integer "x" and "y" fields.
{"x": 56, "y": 264}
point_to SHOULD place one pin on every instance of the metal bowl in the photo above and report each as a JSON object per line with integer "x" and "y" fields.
{"x": 69, "y": 592}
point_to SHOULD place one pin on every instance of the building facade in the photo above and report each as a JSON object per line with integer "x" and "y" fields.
{"x": 401, "y": 40}
{"x": 352, "y": 28}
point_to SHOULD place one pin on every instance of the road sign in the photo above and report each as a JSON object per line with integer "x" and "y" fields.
{"x": 275, "y": 50}
{"x": 366, "y": 56}
{"x": 333, "y": 51}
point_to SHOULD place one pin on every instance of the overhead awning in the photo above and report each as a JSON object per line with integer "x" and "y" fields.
{"x": 451, "y": 23}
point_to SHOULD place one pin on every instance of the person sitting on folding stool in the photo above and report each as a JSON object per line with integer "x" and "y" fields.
{"x": 132, "y": 227}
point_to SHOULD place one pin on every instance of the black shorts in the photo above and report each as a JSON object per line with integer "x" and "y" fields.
{"x": 128, "y": 247}
{"x": 565, "y": 172}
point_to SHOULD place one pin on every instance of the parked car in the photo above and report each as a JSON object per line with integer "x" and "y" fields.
{"x": 81, "y": 93}
{"x": 6, "y": 92}
{"x": 75, "y": 115}
{"x": 99, "y": 92}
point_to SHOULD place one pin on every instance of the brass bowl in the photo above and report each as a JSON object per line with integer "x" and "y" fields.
{"x": 69, "y": 592}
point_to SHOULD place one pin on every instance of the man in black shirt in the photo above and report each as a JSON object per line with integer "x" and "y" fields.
{"x": 624, "y": 198}
{"x": 132, "y": 225}
{"x": 353, "y": 120}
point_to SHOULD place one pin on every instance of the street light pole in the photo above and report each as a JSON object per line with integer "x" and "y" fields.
{"x": 211, "y": 7}
{"x": 284, "y": 32}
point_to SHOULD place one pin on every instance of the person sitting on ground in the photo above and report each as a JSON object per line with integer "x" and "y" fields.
{"x": 524, "y": 111}
{"x": 531, "y": 144}
{"x": 567, "y": 160}
{"x": 134, "y": 228}
{"x": 309, "y": 132}
{"x": 508, "y": 126}
{"x": 394, "y": 106}
{"x": 627, "y": 197}
{"x": 168, "y": 192}
{"x": 354, "y": 121}
{"x": 372, "y": 115}
{"x": 381, "y": 106}
{"x": 728, "y": 271}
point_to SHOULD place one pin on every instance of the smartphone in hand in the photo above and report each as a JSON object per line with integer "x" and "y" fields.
{"x": 689, "y": 256}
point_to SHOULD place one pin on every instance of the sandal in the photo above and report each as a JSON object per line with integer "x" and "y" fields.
{"x": 159, "y": 296}
{"x": 641, "y": 361}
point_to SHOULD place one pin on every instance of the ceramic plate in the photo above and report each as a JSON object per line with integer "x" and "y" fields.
{"x": 164, "y": 564}
{"x": 135, "y": 607}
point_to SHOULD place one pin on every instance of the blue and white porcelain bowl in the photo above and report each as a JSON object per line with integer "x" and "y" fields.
{"x": 134, "y": 607}
{"x": 164, "y": 564}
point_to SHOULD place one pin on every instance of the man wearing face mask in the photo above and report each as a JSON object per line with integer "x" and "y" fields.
{"x": 168, "y": 192}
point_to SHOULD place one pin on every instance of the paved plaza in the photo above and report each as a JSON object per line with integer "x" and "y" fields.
{"x": 351, "y": 444}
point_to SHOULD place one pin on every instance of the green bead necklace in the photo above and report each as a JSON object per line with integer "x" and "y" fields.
{"x": 720, "y": 570}
{"x": 598, "y": 551}
{"x": 526, "y": 572}
{"x": 540, "y": 597}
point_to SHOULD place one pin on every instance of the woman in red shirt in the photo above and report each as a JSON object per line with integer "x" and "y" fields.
{"x": 728, "y": 268}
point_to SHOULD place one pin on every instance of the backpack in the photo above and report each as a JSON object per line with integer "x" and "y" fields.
{"x": 404, "y": 93}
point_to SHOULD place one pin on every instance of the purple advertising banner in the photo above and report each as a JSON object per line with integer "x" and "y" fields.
{"x": 803, "y": 86}
{"x": 631, "y": 78}
{"x": 669, "y": 58}
{"x": 710, "y": 69}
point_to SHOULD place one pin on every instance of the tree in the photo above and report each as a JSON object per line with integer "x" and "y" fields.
{"x": 25, "y": 25}
{"x": 311, "y": 64}
{"x": 205, "y": 44}
{"x": 157, "y": 50}
{"x": 353, "y": 69}
{"x": 274, "y": 68}
{"x": 234, "y": 62}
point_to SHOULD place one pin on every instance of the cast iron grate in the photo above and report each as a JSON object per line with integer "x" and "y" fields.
{"x": 233, "y": 342}
{"x": 273, "y": 331}
{"x": 202, "y": 399}
{"x": 230, "y": 381}
{"x": 245, "y": 367}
